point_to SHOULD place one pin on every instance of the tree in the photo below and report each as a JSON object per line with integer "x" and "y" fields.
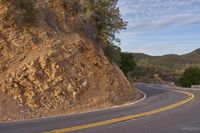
{"x": 191, "y": 76}
{"x": 127, "y": 62}
{"x": 107, "y": 18}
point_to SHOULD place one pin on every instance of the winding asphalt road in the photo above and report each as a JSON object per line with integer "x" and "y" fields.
{"x": 163, "y": 111}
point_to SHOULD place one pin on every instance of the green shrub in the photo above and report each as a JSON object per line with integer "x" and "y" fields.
{"x": 124, "y": 60}
{"x": 127, "y": 63}
{"x": 191, "y": 76}
{"x": 107, "y": 18}
{"x": 113, "y": 52}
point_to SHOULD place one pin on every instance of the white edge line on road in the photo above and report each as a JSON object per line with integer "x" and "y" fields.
{"x": 79, "y": 113}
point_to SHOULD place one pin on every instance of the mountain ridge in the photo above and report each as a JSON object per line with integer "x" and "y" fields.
{"x": 192, "y": 57}
{"x": 163, "y": 68}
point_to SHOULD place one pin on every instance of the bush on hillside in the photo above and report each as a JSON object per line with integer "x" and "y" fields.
{"x": 191, "y": 76}
{"x": 106, "y": 16}
{"x": 127, "y": 63}
{"x": 113, "y": 52}
{"x": 124, "y": 60}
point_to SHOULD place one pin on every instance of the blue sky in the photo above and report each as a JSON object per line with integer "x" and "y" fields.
{"x": 159, "y": 27}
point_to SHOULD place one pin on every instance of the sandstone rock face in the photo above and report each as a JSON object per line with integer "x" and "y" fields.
{"x": 51, "y": 72}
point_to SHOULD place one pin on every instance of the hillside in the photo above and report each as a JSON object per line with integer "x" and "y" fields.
{"x": 166, "y": 68}
{"x": 55, "y": 67}
{"x": 170, "y": 61}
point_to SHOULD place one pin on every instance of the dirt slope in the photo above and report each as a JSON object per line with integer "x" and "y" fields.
{"x": 52, "y": 69}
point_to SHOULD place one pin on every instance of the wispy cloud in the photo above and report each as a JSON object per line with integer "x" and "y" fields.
{"x": 153, "y": 17}
{"x": 147, "y": 15}
{"x": 168, "y": 21}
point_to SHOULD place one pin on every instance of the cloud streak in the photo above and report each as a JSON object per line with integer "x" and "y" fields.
{"x": 147, "y": 15}
{"x": 157, "y": 18}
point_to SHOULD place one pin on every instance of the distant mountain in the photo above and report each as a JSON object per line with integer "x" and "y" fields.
{"x": 171, "y": 61}
{"x": 167, "y": 67}
{"x": 195, "y": 55}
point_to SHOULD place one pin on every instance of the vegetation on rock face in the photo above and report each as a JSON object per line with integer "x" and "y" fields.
{"x": 127, "y": 62}
{"x": 107, "y": 20}
{"x": 103, "y": 14}
{"x": 113, "y": 53}
{"x": 106, "y": 16}
{"x": 191, "y": 76}
{"x": 22, "y": 11}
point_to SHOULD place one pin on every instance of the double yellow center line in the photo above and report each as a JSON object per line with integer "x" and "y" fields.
{"x": 130, "y": 117}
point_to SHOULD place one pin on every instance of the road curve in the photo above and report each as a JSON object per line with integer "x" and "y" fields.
{"x": 165, "y": 110}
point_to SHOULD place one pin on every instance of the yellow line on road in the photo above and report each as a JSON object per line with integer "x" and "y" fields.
{"x": 130, "y": 117}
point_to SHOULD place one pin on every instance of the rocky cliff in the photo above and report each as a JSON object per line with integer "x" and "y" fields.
{"x": 52, "y": 68}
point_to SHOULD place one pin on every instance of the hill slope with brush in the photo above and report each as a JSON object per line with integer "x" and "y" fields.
{"x": 163, "y": 68}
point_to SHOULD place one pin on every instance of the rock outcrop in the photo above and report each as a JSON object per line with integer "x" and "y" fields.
{"x": 51, "y": 69}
